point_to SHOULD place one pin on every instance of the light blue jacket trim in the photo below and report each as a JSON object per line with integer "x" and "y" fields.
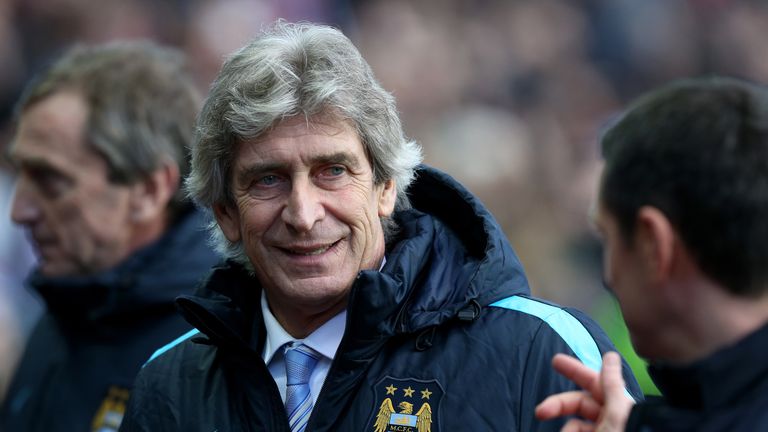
{"x": 569, "y": 328}
{"x": 178, "y": 340}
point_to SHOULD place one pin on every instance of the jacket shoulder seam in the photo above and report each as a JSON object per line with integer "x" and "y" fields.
{"x": 567, "y": 327}
{"x": 170, "y": 345}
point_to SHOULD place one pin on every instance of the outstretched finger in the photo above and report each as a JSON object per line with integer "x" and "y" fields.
{"x": 611, "y": 377}
{"x": 618, "y": 404}
{"x": 580, "y": 374}
{"x": 568, "y": 403}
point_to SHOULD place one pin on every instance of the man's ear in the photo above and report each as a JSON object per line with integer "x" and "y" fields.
{"x": 387, "y": 198}
{"x": 228, "y": 219}
{"x": 656, "y": 239}
{"x": 150, "y": 196}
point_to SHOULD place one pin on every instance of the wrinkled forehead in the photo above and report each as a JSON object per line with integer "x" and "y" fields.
{"x": 53, "y": 126}
{"x": 327, "y": 123}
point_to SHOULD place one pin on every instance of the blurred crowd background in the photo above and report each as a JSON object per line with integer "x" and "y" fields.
{"x": 509, "y": 96}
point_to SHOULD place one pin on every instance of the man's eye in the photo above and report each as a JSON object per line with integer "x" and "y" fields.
{"x": 335, "y": 171}
{"x": 268, "y": 180}
{"x": 49, "y": 182}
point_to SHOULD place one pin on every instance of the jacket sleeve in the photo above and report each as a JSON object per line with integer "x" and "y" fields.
{"x": 570, "y": 332}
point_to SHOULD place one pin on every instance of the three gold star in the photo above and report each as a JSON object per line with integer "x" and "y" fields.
{"x": 408, "y": 392}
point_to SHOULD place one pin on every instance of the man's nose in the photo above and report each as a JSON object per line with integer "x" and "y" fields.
{"x": 24, "y": 209}
{"x": 304, "y": 207}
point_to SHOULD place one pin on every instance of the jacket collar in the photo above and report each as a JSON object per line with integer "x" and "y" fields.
{"x": 226, "y": 308}
{"x": 468, "y": 258}
{"x": 719, "y": 379}
{"x": 153, "y": 276}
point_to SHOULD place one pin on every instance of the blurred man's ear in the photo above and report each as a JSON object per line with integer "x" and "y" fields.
{"x": 387, "y": 198}
{"x": 150, "y": 197}
{"x": 228, "y": 219}
{"x": 656, "y": 240}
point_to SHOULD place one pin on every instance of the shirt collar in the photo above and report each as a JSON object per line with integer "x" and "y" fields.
{"x": 325, "y": 340}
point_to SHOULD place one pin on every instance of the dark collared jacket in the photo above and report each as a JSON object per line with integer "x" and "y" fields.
{"x": 727, "y": 391}
{"x": 84, "y": 353}
{"x": 445, "y": 337}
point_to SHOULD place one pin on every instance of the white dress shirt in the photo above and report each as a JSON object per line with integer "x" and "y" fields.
{"x": 325, "y": 340}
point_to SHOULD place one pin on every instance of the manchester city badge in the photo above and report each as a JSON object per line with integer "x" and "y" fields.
{"x": 406, "y": 405}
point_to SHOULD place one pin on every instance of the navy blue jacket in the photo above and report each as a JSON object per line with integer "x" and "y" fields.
{"x": 446, "y": 334}
{"x": 727, "y": 391}
{"x": 84, "y": 353}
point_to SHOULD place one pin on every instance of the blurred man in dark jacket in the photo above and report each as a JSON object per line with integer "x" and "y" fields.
{"x": 348, "y": 304}
{"x": 101, "y": 148}
{"x": 683, "y": 208}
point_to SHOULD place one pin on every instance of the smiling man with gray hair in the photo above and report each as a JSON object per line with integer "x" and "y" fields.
{"x": 363, "y": 291}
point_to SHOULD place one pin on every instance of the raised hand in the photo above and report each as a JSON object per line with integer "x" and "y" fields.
{"x": 602, "y": 405}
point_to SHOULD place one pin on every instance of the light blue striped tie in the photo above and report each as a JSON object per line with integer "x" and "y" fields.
{"x": 299, "y": 363}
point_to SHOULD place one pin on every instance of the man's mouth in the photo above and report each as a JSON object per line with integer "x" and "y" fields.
{"x": 40, "y": 243}
{"x": 311, "y": 251}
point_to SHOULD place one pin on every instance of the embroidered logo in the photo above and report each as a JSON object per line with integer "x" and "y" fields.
{"x": 406, "y": 405}
{"x": 111, "y": 411}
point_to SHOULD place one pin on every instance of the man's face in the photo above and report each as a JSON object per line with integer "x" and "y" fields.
{"x": 626, "y": 275}
{"x": 79, "y": 221}
{"x": 307, "y": 211}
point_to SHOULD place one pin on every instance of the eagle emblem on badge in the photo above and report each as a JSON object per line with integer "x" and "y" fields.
{"x": 407, "y": 405}
{"x": 422, "y": 421}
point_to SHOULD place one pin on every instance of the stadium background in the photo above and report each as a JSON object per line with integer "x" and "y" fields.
{"x": 507, "y": 96}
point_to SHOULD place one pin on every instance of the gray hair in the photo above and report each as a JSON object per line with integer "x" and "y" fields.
{"x": 142, "y": 105}
{"x": 289, "y": 70}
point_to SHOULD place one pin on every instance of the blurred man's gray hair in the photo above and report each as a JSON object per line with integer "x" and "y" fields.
{"x": 291, "y": 70}
{"x": 142, "y": 103}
